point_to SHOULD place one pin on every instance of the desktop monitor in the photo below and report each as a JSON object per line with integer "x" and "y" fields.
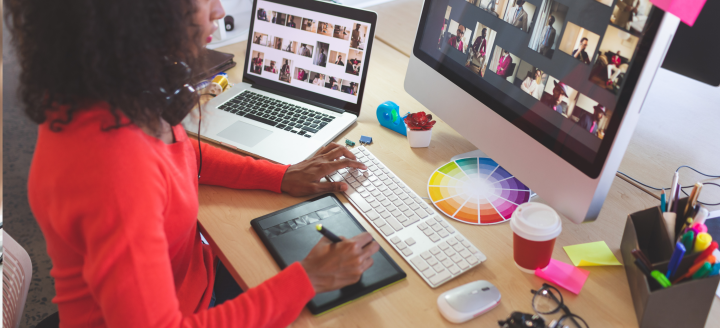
{"x": 551, "y": 90}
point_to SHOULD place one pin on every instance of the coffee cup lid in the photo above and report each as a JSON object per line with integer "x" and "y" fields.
{"x": 536, "y": 222}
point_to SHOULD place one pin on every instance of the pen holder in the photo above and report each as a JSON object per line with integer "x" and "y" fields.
{"x": 686, "y": 304}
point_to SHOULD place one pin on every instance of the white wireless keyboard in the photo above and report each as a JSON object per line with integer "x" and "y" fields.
{"x": 424, "y": 239}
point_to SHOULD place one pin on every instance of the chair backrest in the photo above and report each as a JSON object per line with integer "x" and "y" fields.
{"x": 17, "y": 273}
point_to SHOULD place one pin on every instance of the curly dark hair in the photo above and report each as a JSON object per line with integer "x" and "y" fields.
{"x": 126, "y": 53}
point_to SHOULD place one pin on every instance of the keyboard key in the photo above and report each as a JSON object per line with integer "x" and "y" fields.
{"x": 473, "y": 250}
{"x": 403, "y": 195}
{"x": 410, "y": 212}
{"x": 385, "y": 214}
{"x": 356, "y": 185}
{"x": 459, "y": 247}
{"x": 395, "y": 239}
{"x": 358, "y": 200}
{"x": 434, "y": 237}
{"x": 449, "y": 252}
{"x": 450, "y": 229}
{"x": 398, "y": 202}
{"x": 443, "y": 233}
{"x": 396, "y": 213}
{"x": 444, "y": 224}
{"x": 387, "y": 230}
{"x": 413, "y": 218}
{"x": 420, "y": 264}
{"x": 422, "y": 226}
{"x": 438, "y": 227}
{"x": 407, "y": 222}
{"x": 451, "y": 241}
{"x": 372, "y": 215}
{"x": 403, "y": 207}
{"x": 443, "y": 246}
{"x": 440, "y": 277}
{"x": 472, "y": 260}
{"x": 394, "y": 223}
{"x": 414, "y": 206}
{"x": 429, "y": 272}
{"x": 447, "y": 263}
{"x": 456, "y": 258}
{"x": 426, "y": 254}
{"x": 438, "y": 219}
{"x": 374, "y": 203}
{"x": 410, "y": 241}
{"x": 400, "y": 245}
{"x": 428, "y": 232}
{"x": 441, "y": 256}
{"x": 454, "y": 269}
{"x": 384, "y": 202}
{"x": 465, "y": 253}
{"x": 432, "y": 261}
{"x": 438, "y": 267}
{"x": 463, "y": 265}
{"x": 261, "y": 120}
{"x": 379, "y": 222}
{"x": 407, "y": 252}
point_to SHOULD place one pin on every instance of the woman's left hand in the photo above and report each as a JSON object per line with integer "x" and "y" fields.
{"x": 303, "y": 178}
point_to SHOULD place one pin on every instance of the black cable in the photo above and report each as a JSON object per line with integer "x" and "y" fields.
{"x": 198, "y": 134}
{"x": 681, "y": 187}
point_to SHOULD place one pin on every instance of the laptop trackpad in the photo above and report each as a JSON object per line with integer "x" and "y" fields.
{"x": 246, "y": 134}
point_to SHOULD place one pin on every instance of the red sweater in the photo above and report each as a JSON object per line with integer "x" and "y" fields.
{"x": 119, "y": 209}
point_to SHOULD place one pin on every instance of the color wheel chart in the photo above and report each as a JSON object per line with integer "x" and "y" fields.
{"x": 476, "y": 190}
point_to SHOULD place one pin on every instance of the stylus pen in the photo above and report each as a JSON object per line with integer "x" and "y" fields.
{"x": 329, "y": 235}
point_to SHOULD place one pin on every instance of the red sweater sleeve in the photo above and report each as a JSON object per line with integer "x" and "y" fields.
{"x": 223, "y": 168}
{"x": 128, "y": 271}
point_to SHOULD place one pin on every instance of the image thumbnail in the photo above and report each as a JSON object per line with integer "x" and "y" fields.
{"x": 496, "y": 8}
{"x": 289, "y": 46}
{"x": 262, "y": 15}
{"x": 358, "y": 36}
{"x": 325, "y": 29}
{"x": 293, "y": 21}
{"x": 349, "y": 87}
{"x": 559, "y": 96}
{"x": 461, "y": 37}
{"x": 301, "y": 74}
{"x": 280, "y": 19}
{"x": 504, "y": 64}
{"x": 306, "y": 50}
{"x": 479, "y": 50}
{"x": 631, "y": 15}
{"x": 550, "y": 22}
{"x": 256, "y": 62}
{"x": 317, "y": 79}
{"x": 520, "y": 14}
{"x": 278, "y": 43}
{"x": 309, "y": 25}
{"x": 579, "y": 43}
{"x": 590, "y": 115}
{"x": 271, "y": 66}
{"x": 354, "y": 62}
{"x": 286, "y": 70}
{"x": 341, "y": 32}
{"x": 443, "y": 32}
{"x": 337, "y": 58}
{"x": 530, "y": 79}
{"x": 606, "y": 2}
{"x": 332, "y": 83}
{"x": 321, "y": 53}
{"x": 611, "y": 63}
{"x": 260, "y": 38}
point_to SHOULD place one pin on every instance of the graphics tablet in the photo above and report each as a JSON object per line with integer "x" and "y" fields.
{"x": 290, "y": 234}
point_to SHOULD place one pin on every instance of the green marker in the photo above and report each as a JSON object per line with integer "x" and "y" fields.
{"x": 661, "y": 279}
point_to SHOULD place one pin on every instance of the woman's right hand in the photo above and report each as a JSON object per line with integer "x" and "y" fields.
{"x": 331, "y": 266}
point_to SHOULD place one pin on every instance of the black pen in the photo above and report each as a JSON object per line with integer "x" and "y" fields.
{"x": 329, "y": 235}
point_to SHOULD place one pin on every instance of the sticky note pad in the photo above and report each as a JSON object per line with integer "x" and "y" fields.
{"x": 564, "y": 275}
{"x": 686, "y": 10}
{"x": 591, "y": 254}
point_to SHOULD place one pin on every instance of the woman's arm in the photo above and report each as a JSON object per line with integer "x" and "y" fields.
{"x": 223, "y": 168}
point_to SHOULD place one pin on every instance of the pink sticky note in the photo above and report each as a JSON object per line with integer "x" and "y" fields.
{"x": 564, "y": 275}
{"x": 686, "y": 10}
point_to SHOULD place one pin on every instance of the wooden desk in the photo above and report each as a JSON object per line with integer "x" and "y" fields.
{"x": 605, "y": 300}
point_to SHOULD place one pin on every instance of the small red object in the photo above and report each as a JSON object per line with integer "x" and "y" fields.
{"x": 419, "y": 121}
{"x": 713, "y": 246}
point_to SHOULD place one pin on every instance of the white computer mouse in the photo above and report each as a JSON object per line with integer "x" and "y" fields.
{"x": 468, "y": 301}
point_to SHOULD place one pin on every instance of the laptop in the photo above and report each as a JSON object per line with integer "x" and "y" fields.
{"x": 303, "y": 81}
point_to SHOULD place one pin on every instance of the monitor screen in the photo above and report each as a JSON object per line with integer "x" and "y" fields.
{"x": 308, "y": 50}
{"x": 560, "y": 70}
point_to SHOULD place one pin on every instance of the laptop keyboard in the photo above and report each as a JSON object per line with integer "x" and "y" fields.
{"x": 277, "y": 113}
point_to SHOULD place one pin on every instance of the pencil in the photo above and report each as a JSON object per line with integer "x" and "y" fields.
{"x": 329, "y": 235}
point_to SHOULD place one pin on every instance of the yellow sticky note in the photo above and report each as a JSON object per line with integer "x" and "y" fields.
{"x": 591, "y": 254}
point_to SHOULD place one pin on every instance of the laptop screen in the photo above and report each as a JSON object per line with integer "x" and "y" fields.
{"x": 309, "y": 50}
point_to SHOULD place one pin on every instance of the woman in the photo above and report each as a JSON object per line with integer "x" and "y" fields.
{"x": 532, "y": 83}
{"x": 355, "y": 37}
{"x": 591, "y": 122}
{"x": 476, "y": 55}
{"x": 114, "y": 178}
{"x": 285, "y": 71}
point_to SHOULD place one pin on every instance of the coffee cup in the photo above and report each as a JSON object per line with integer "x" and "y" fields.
{"x": 535, "y": 227}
